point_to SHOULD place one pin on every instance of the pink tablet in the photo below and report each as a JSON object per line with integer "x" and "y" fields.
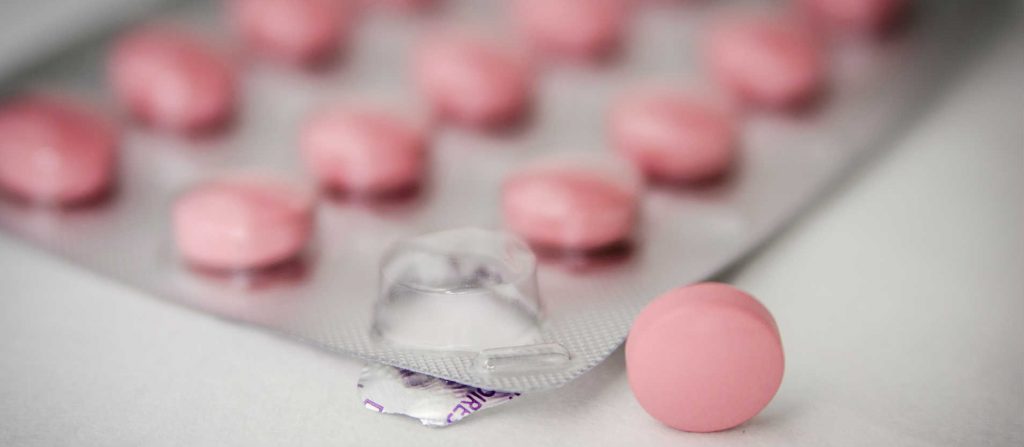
{"x": 364, "y": 151}
{"x": 243, "y": 222}
{"x": 572, "y": 204}
{"x": 472, "y": 79}
{"x": 302, "y": 32}
{"x": 704, "y": 358}
{"x": 769, "y": 62}
{"x": 859, "y": 16}
{"x": 580, "y": 29}
{"x": 172, "y": 80}
{"x": 674, "y": 136}
{"x": 55, "y": 151}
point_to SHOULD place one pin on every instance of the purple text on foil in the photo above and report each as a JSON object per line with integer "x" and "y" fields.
{"x": 474, "y": 400}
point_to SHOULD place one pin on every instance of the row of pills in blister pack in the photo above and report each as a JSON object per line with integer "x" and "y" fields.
{"x": 58, "y": 152}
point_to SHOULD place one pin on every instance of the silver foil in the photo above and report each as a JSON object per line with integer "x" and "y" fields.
{"x": 328, "y": 299}
{"x": 434, "y": 402}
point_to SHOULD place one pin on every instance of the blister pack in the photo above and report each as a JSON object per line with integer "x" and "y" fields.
{"x": 426, "y": 280}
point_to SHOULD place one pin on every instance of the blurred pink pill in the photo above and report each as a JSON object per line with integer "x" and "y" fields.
{"x": 704, "y": 358}
{"x": 674, "y": 137}
{"x": 862, "y": 16}
{"x": 769, "y": 62}
{"x": 473, "y": 80}
{"x": 301, "y": 32}
{"x": 55, "y": 151}
{"x": 171, "y": 80}
{"x": 583, "y": 29}
{"x": 243, "y": 222}
{"x": 572, "y": 205}
{"x": 364, "y": 151}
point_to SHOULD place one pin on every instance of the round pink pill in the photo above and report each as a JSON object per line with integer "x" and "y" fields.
{"x": 364, "y": 151}
{"x": 582, "y": 29}
{"x": 572, "y": 205}
{"x": 860, "y": 16}
{"x": 704, "y": 358}
{"x": 303, "y": 32}
{"x": 55, "y": 151}
{"x": 171, "y": 80}
{"x": 674, "y": 137}
{"x": 243, "y": 222}
{"x": 768, "y": 62}
{"x": 473, "y": 80}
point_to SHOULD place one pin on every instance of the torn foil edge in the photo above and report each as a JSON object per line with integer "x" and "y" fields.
{"x": 435, "y": 402}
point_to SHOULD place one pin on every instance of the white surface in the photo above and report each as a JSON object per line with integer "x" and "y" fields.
{"x": 900, "y": 301}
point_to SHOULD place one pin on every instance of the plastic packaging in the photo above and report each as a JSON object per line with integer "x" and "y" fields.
{"x": 576, "y": 313}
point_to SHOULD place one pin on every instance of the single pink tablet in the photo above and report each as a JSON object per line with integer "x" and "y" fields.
{"x": 473, "y": 80}
{"x": 858, "y": 16}
{"x": 704, "y": 358}
{"x": 243, "y": 222}
{"x": 363, "y": 151}
{"x": 302, "y": 32}
{"x": 55, "y": 151}
{"x": 769, "y": 62}
{"x": 579, "y": 29}
{"x": 171, "y": 80}
{"x": 673, "y": 136}
{"x": 576, "y": 205}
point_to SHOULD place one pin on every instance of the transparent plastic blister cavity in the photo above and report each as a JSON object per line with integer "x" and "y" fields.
{"x": 429, "y": 283}
{"x": 464, "y": 289}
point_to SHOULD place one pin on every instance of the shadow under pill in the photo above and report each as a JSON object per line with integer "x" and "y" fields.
{"x": 711, "y": 190}
{"x": 282, "y": 274}
{"x": 260, "y": 296}
{"x": 587, "y": 261}
{"x": 394, "y": 199}
{"x": 504, "y": 130}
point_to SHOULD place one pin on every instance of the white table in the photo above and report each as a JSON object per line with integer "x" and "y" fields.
{"x": 900, "y": 301}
